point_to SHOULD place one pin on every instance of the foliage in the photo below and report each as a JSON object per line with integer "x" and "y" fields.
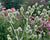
{"x": 3, "y": 28}
{"x": 34, "y": 23}
{"x": 12, "y": 3}
{"x": 48, "y": 3}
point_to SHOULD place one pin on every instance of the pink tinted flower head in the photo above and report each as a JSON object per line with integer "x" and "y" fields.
{"x": 12, "y": 8}
{"x": 49, "y": 18}
{"x": 49, "y": 24}
{"x": 48, "y": 28}
{"x": 39, "y": 31}
{"x": 42, "y": 21}
{"x": 30, "y": 20}
{"x": 1, "y": 13}
{"x": 3, "y": 8}
{"x": 49, "y": 32}
{"x": 32, "y": 17}
{"x": 39, "y": 16}
{"x": 17, "y": 9}
{"x": 6, "y": 12}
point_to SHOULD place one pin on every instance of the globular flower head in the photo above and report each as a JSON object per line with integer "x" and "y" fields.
{"x": 8, "y": 37}
{"x": 3, "y": 11}
{"x": 29, "y": 8}
{"x": 21, "y": 9}
{"x": 27, "y": 12}
{"x": 36, "y": 19}
{"x": 35, "y": 36}
{"x": 44, "y": 11}
{"x": 32, "y": 17}
{"x": 28, "y": 27}
{"x": 17, "y": 9}
{"x": 35, "y": 25}
{"x": 3, "y": 8}
{"x": 42, "y": 14}
{"x": 49, "y": 32}
{"x": 33, "y": 6}
{"x": 36, "y": 4}
{"x": 12, "y": 8}
{"x": 40, "y": 35}
{"x": 49, "y": 24}
{"x": 49, "y": 12}
{"x": 30, "y": 31}
{"x": 10, "y": 29}
{"x": 39, "y": 12}
{"x": 17, "y": 12}
{"x": 9, "y": 11}
{"x": 19, "y": 29}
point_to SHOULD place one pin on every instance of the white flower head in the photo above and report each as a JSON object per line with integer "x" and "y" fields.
{"x": 27, "y": 12}
{"x": 49, "y": 12}
{"x": 39, "y": 12}
{"x": 35, "y": 25}
{"x": 29, "y": 8}
{"x": 33, "y": 6}
{"x": 47, "y": 15}
{"x": 32, "y": 10}
{"x": 8, "y": 35}
{"x": 48, "y": 7}
{"x": 40, "y": 6}
{"x": 44, "y": 10}
{"x": 42, "y": 14}
{"x": 21, "y": 9}
{"x": 28, "y": 27}
{"x": 19, "y": 29}
{"x": 36, "y": 19}
{"x": 40, "y": 35}
{"x": 17, "y": 12}
{"x": 35, "y": 36}
{"x": 30, "y": 31}
{"x": 44, "y": 33}
{"x": 10, "y": 29}
{"x": 0, "y": 3}
{"x": 36, "y": 4}
{"x": 37, "y": 8}
{"x": 40, "y": 19}
{"x": 9, "y": 39}
{"x": 9, "y": 11}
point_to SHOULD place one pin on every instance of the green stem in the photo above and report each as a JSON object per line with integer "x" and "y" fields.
{"x": 13, "y": 30}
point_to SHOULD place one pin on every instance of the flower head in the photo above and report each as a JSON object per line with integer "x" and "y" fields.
{"x": 19, "y": 29}
{"x": 3, "y": 8}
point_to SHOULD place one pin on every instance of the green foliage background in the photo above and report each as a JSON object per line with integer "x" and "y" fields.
{"x": 3, "y": 28}
{"x": 12, "y": 3}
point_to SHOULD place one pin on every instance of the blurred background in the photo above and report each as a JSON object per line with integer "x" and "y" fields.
{"x": 18, "y": 3}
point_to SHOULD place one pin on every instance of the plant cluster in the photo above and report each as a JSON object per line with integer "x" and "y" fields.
{"x": 25, "y": 25}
